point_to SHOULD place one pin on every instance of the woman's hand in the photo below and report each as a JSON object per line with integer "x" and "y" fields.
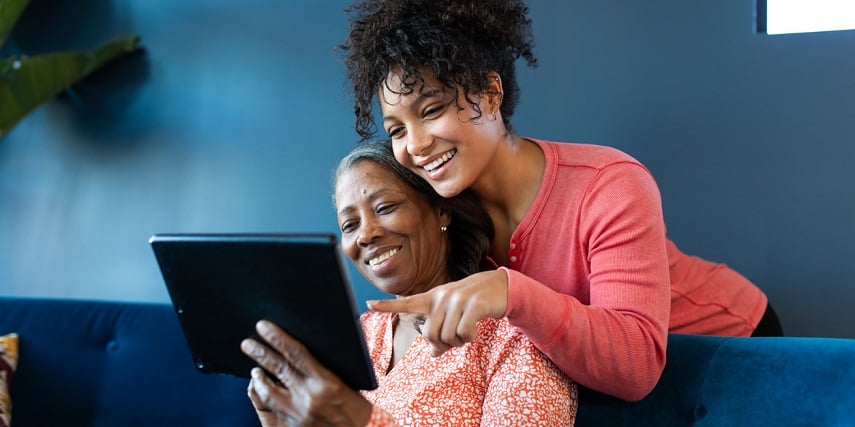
{"x": 452, "y": 310}
{"x": 303, "y": 392}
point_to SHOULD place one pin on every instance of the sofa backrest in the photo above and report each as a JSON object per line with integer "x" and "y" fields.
{"x": 91, "y": 363}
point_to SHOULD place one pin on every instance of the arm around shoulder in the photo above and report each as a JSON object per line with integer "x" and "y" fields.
{"x": 600, "y": 306}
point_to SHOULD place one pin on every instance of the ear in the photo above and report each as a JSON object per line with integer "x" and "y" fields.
{"x": 495, "y": 91}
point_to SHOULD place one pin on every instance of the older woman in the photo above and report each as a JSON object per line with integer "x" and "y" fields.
{"x": 405, "y": 239}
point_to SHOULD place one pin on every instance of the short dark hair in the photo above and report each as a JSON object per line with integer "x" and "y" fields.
{"x": 460, "y": 41}
{"x": 470, "y": 232}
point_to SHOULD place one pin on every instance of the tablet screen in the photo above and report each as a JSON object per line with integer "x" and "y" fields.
{"x": 222, "y": 284}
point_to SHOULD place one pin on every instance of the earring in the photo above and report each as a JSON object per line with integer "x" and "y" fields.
{"x": 443, "y": 228}
{"x": 493, "y": 114}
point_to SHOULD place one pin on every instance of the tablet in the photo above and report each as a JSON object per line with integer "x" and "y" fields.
{"x": 222, "y": 284}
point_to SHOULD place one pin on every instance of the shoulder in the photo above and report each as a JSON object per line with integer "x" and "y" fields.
{"x": 507, "y": 353}
{"x": 374, "y": 323}
{"x": 583, "y": 155}
{"x": 499, "y": 338}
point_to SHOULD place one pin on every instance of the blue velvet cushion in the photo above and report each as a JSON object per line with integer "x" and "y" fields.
{"x": 85, "y": 363}
{"x": 726, "y": 381}
{"x": 781, "y": 382}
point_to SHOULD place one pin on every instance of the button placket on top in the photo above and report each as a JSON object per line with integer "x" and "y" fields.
{"x": 512, "y": 253}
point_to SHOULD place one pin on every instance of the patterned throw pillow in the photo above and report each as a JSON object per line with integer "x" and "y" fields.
{"x": 8, "y": 361}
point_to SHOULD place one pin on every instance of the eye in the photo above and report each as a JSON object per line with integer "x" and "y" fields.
{"x": 385, "y": 208}
{"x": 349, "y": 226}
{"x": 396, "y": 132}
{"x": 434, "y": 111}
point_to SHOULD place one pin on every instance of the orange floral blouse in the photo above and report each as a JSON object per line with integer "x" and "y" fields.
{"x": 498, "y": 379}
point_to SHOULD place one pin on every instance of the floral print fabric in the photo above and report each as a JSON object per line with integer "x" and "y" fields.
{"x": 498, "y": 379}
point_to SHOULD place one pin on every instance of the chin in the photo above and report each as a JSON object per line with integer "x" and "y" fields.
{"x": 388, "y": 287}
{"x": 448, "y": 191}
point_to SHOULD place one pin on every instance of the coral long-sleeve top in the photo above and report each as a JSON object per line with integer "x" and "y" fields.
{"x": 593, "y": 280}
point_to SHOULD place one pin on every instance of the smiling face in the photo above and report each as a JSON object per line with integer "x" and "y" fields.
{"x": 450, "y": 146}
{"x": 390, "y": 231}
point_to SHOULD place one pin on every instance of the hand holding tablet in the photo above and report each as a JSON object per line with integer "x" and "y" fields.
{"x": 221, "y": 285}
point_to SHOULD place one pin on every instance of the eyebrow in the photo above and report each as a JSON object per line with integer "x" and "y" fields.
{"x": 430, "y": 93}
{"x": 372, "y": 196}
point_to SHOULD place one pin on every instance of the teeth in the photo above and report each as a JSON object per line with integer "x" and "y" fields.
{"x": 383, "y": 257}
{"x": 438, "y": 162}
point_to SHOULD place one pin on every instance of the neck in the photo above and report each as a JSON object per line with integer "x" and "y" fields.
{"x": 510, "y": 183}
{"x": 404, "y": 333}
{"x": 411, "y": 321}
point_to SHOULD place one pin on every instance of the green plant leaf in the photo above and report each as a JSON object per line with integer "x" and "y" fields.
{"x": 28, "y": 82}
{"x": 10, "y": 11}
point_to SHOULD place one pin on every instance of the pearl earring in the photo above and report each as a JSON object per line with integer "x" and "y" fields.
{"x": 443, "y": 228}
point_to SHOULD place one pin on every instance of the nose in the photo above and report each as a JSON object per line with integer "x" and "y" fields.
{"x": 418, "y": 142}
{"x": 370, "y": 232}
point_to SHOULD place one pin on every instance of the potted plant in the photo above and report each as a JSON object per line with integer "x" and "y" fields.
{"x": 28, "y": 82}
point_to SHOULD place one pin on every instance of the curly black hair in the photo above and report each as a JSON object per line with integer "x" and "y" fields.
{"x": 471, "y": 229}
{"x": 460, "y": 41}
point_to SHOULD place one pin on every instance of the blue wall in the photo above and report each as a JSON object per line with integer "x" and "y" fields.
{"x": 236, "y": 114}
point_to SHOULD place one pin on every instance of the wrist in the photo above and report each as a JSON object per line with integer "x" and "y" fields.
{"x": 500, "y": 282}
{"x": 504, "y": 283}
{"x": 362, "y": 413}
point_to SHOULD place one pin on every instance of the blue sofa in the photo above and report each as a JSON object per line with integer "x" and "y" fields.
{"x": 96, "y": 363}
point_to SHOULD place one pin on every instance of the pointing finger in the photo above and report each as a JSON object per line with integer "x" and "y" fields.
{"x": 418, "y": 304}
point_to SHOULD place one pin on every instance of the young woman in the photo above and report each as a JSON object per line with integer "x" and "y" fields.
{"x": 406, "y": 240}
{"x": 587, "y": 271}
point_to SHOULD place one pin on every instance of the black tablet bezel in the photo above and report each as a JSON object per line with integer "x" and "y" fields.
{"x": 221, "y": 284}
